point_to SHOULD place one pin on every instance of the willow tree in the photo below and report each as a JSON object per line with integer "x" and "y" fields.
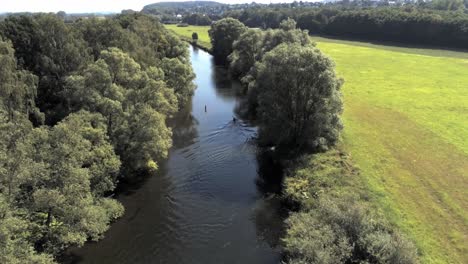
{"x": 246, "y": 50}
{"x": 299, "y": 99}
{"x": 223, "y": 33}
{"x": 18, "y": 88}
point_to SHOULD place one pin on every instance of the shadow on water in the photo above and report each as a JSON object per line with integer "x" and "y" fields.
{"x": 184, "y": 128}
{"x": 270, "y": 215}
{"x": 226, "y": 88}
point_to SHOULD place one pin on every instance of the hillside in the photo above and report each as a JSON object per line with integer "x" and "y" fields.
{"x": 179, "y": 6}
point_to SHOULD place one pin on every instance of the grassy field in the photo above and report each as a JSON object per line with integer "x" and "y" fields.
{"x": 186, "y": 33}
{"x": 406, "y": 128}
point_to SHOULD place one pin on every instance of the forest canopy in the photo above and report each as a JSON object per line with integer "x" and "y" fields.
{"x": 83, "y": 105}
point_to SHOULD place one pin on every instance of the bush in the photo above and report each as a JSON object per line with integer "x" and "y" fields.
{"x": 344, "y": 230}
{"x": 336, "y": 223}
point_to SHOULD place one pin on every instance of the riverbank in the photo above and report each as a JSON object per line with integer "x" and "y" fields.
{"x": 406, "y": 130}
{"x": 211, "y": 198}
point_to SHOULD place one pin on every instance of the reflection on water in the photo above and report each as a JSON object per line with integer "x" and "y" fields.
{"x": 215, "y": 198}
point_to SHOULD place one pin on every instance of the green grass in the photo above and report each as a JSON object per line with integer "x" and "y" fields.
{"x": 406, "y": 128}
{"x": 186, "y": 33}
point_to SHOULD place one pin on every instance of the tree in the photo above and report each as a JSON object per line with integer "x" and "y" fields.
{"x": 223, "y": 33}
{"x": 299, "y": 99}
{"x": 79, "y": 165}
{"x": 107, "y": 88}
{"x": 195, "y": 37}
{"x": 197, "y": 19}
{"x": 51, "y": 50}
{"x": 125, "y": 94}
{"x": 253, "y": 44}
{"x": 451, "y": 5}
{"x": 179, "y": 76}
{"x": 288, "y": 24}
{"x": 246, "y": 51}
{"x": 15, "y": 238}
{"x": 18, "y": 88}
{"x": 144, "y": 139}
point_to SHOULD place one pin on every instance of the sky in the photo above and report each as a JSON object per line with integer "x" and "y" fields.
{"x": 83, "y": 6}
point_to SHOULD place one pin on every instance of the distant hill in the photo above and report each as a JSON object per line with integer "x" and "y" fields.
{"x": 163, "y": 7}
{"x": 173, "y": 12}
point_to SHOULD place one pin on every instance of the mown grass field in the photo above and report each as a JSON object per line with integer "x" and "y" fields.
{"x": 186, "y": 33}
{"x": 406, "y": 128}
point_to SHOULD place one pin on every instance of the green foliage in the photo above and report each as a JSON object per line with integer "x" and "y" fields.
{"x": 336, "y": 224}
{"x": 143, "y": 145}
{"x": 117, "y": 87}
{"x": 15, "y": 245}
{"x": 341, "y": 230}
{"x": 79, "y": 164}
{"x": 195, "y": 36}
{"x": 252, "y": 45}
{"x": 451, "y": 5}
{"x": 223, "y": 33}
{"x": 18, "y": 88}
{"x": 247, "y": 50}
{"x": 107, "y": 88}
{"x": 435, "y": 23}
{"x": 179, "y": 76}
{"x": 197, "y": 19}
{"x": 49, "y": 49}
{"x": 300, "y": 86}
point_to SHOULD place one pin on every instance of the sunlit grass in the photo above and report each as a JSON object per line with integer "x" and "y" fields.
{"x": 186, "y": 33}
{"x": 406, "y": 128}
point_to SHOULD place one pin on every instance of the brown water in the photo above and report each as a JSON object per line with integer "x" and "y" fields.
{"x": 212, "y": 202}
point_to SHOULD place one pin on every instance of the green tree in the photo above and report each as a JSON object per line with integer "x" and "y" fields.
{"x": 144, "y": 139}
{"x": 253, "y": 44}
{"x": 197, "y": 19}
{"x": 80, "y": 164}
{"x": 101, "y": 34}
{"x": 223, "y": 33}
{"x": 18, "y": 88}
{"x": 15, "y": 237}
{"x": 51, "y": 50}
{"x": 194, "y": 37}
{"x": 451, "y": 5}
{"x": 299, "y": 85}
{"x": 288, "y": 24}
{"x": 246, "y": 51}
{"x": 179, "y": 76}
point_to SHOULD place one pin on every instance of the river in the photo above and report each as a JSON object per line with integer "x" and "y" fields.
{"x": 213, "y": 200}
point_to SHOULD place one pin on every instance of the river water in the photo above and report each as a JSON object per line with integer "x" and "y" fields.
{"x": 213, "y": 200}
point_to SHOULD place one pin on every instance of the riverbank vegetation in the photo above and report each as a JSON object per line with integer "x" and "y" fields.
{"x": 337, "y": 222}
{"x": 83, "y": 105}
{"x": 406, "y": 130}
{"x": 295, "y": 95}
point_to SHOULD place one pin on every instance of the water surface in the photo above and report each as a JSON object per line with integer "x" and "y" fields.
{"x": 213, "y": 200}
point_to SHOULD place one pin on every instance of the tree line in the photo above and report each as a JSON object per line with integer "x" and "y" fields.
{"x": 294, "y": 94}
{"x": 408, "y": 24}
{"x": 83, "y": 105}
